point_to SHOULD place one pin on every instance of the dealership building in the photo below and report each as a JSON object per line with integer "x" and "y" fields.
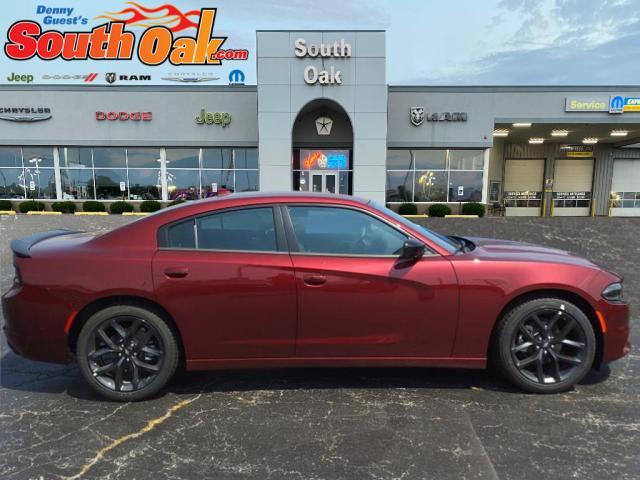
{"x": 323, "y": 118}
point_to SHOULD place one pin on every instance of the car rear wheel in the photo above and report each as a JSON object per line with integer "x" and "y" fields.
{"x": 546, "y": 345}
{"x": 127, "y": 353}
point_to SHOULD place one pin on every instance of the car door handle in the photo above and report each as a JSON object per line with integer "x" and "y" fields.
{"x": 176, "y": 272}
{"x": 314, "y": 280}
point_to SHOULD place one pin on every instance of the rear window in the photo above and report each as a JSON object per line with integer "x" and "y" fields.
{"x": 251, "y": 229}
{"x": 179, "y": 235}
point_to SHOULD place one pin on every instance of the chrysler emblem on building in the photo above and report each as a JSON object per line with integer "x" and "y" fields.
{"x": 323, "y": 125}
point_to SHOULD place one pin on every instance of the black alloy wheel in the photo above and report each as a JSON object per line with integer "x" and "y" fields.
{"x": 545, "y": 345}
{"x": 127, "y": 353}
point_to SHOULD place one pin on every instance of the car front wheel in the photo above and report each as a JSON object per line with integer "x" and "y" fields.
{"x": 127, "y": 353}
{"x": 546, "y": 345}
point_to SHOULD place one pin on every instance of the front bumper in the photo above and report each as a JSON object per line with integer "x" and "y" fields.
{"x": 34, "y": 324}
{"x": 615, "y": 326}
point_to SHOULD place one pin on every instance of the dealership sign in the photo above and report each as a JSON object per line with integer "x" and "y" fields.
{"x": 324, "y": 159}
{"x": 598, "y": 103}
{"x": 124, "y": 116}
{"x": 142, "y": 34}
{"x": 111, "y": 41}
{"x": 614, "y": 104}
{"x": 621, "y": 104}
{"x": 25, "y": 114}
{"x": 417, "y": 116}
{"x": 213, "y": 118}
{"x": 312, "y": 74}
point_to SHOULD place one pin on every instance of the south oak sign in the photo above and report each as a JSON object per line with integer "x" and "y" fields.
{"x": 111, "y": 41}
{"x": 311, "y": 74}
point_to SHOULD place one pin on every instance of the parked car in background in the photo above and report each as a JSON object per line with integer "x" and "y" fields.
{"x": 298, "y": 279}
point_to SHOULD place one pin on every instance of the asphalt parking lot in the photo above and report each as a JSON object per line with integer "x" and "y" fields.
{"x": 333, "y": 424}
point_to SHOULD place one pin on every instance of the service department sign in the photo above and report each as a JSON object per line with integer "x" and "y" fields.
{"x": 597, "y": 103}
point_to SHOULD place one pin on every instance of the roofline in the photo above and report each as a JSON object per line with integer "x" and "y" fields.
{"x": 513, "y": 88}
{"x": 391, "y": 88}
{"x": 346, "y": 30}
{"x": 133, "y": 88}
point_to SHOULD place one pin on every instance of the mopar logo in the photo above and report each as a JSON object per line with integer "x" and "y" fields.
{"x": 236, "y": 77}
{"x": 616, "y": 104}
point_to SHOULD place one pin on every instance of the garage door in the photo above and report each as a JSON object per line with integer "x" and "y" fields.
{"x": 625, "y": 188}
{"x": 572, "y": 180}
{"x": 523, "y": 187}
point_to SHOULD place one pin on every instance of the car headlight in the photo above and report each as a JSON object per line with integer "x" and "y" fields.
{"x": 613, "y": 292}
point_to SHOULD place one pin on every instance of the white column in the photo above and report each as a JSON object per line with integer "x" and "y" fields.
{"x": 56, "y": 166}
{"x": 485, "y": 175}
{"x": 163, "y": 175}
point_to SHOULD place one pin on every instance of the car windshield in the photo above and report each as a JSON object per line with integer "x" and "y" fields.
{"x": 445, "y": 242}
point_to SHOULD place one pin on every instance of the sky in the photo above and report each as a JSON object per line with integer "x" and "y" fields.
{"x": 429, "y": 42}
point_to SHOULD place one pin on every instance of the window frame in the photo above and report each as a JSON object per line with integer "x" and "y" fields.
{"x": 281, "y": 240}
{"x": 294, "y": 248}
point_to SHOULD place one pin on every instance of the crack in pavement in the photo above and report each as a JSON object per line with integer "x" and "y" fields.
{"x": 151, "y": 424}
{"x": 66, "y": 435}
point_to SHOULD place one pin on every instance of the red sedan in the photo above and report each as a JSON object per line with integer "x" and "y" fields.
{"x": 266, "y": 280}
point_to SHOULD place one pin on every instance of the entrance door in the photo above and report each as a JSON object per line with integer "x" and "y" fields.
{"x": 325, "y": 182}
{"x": 572, "y": 182}
{"x": 523, "y": 181}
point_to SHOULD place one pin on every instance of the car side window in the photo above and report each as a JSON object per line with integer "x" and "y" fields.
{"x": 251, "y": 229}
{"x": 179, "y": 235}
{"x": 335, "y": 230}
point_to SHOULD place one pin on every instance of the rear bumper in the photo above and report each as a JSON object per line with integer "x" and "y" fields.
{"x": 34, "y": 325}
{"x": 615, "y": 317}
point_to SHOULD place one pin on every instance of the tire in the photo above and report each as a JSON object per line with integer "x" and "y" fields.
{"x": 127, "y": 353}
{"x": 546, "y": 345}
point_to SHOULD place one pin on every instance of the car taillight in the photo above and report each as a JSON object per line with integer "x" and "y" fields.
{"x": 17, "y": 278}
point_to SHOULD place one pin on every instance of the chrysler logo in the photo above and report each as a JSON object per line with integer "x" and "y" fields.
{"x": 25, "y": 114}
{"x": 323, "y": 125}
{"x": 190, "y": 79}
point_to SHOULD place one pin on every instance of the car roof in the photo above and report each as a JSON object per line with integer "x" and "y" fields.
{"x": 281, "y": 196}
{"x": 285, "y": 195}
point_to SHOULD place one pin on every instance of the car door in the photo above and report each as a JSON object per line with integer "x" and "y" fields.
{"x": 355, "y": 298}
{"x": 227, "y": 279}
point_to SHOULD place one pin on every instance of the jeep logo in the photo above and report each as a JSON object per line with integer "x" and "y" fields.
{"x": 15, "y": 77}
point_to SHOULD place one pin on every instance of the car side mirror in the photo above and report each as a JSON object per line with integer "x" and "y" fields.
{"x": 412, "y": 250}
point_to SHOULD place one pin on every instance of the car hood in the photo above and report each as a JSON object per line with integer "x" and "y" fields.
{"x": 494, "y": 249}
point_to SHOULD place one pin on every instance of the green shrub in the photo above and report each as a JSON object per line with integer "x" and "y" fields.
{"x": 5, "y": 205}
{"x": 408, "y": 209}
{"x": 177, "y": 201}
{"x": 31, "y": 206}
{"x": 150, "y": 206}
{"x": 120, "y": 207}
{"x": 64, "y": 207}
{"x": 93, "y": 206}
{"x": 439, "y": 210}
{"x": 473, "y": 209}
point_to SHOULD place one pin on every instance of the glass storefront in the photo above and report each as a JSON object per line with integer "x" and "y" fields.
{"x": 27, "y": 172}
{"x": 322, "y": 170}
{"x": 434, "y": 175}
{"x": 88, "y": 173}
